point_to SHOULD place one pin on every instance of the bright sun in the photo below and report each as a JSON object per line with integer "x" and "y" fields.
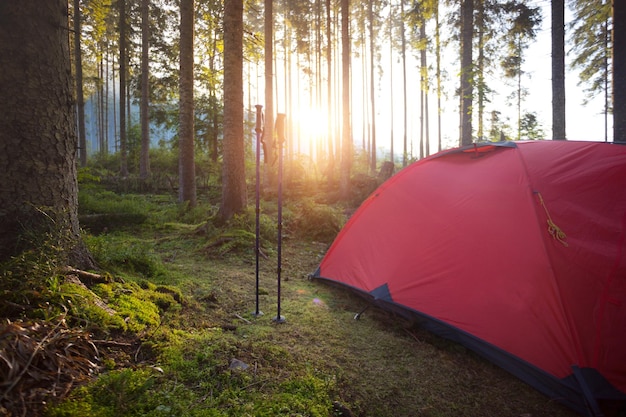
{"x": 310, "y": 126}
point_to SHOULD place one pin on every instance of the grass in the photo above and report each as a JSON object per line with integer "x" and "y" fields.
{"x": 199, "y": 350}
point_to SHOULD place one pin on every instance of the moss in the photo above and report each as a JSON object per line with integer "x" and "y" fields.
{"x": 85, "y": 309}
{"x": 138, "y": 313}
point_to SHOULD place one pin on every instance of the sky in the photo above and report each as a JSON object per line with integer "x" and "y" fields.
{"x": 582, "y": 122}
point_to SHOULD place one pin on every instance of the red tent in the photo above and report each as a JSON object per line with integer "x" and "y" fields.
{"x": 516, "y": 250}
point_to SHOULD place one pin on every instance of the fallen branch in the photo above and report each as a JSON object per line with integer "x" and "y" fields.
{"x": 243, "y": 319}
{"x": 89, "y": 278}
{"x": 111, "y": 343}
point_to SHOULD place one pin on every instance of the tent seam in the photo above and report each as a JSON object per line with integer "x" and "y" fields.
{"x": 535, "y": 202}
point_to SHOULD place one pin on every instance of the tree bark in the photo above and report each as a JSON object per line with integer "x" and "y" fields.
{"x": 480, "y": 69}
{"x": 405, "y": 151}
{"x": 391, "y": 98}
{"x": 425, "y": 128}
{"x": 438, "y": 76}
{"x": 558, "y": 69}
{"x": 619, "y": 71}
{"x": 122, "y": 109}
{"x": 80, "y": 100}
{"x": 233, "y": 168}
{"x": 144, "y": 158}
{"x": 346, "y": 134}
{"x": 268, "y": 131}
{"x": 329, "y": 93}
{"x": 467, "y": 27}
{"x": 187, "y": 167}
{"x": 370, "y": 14}
{"x": 38, "y": 187}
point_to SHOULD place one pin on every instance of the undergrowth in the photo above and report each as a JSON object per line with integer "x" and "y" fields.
{"x": 171, "y": 314}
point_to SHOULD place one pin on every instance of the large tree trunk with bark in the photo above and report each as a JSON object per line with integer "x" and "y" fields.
{"x": 233, "y": 169}
{"x": 38, "y": 142}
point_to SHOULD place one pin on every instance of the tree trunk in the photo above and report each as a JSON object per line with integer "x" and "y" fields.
{"x": 391, "y": 25}
{"x": 329, "y": 93}
{"x": 346, "y": 134}
{"x": 80, "y": 100}
{"x": 98, "y": 104}
{"x": 467, "y": 27}
{"x": 519, "y": 91}
{"x": 424, "y": 128}
{"x": 268, "y": 131}
{"x": 144, "y": 158}
{"x": 619, "y": 71}
{"x": 404, "y": 89}
{"x": 480, "y": 69}
{"x": 558, "y": 69}
{"x": 122, "y": 109}
{"x": 438, "y": 69}
{"x": 370, "y": 14}
{"x": 38, "y": 187}
{"x": 233, "y": 169}
{"x": 186, "y": 164}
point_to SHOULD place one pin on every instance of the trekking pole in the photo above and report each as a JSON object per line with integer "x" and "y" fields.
{"x": 280, "y": 131}
{"x": 257, "y": 249}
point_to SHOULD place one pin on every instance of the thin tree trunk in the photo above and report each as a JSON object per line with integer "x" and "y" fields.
{"x": 370, "y": 12}
{"x": 346, "y": 134}
{"x": 144, "y": 160}
{"x": 80, "y": 100}
{"x": 365, "y": 102}
{"x": 268, "y": 132}
{"x": 213, "y": 106}
{"x": 425, "y": 89}
{"x": 606, "y": 76}
{"x": 187, "y": 168}
{"x": 439, "y": 92}
{"x": 619, "y": 71}
{"x": 123, "y": 141}
{"x": 329, "y": 92}
{"x": 558, "y": 69}
{"x": 519, "y": 92}
{"x": 391, "y": 98}
{"x": 110, "y": 85}
{"x": 480, "y": 72}
{"x": 404, "y": 87}
{"x": 423, "y": 86}
{"x": 101, "y": 105}
{"x": 104, "y": 77}
{"x": 467, "y": 27}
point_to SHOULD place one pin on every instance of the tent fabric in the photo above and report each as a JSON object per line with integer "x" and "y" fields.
{"x": 515, "y": 249}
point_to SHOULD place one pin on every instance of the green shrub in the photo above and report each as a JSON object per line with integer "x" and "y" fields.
{"x": 314, "y": 221}
{"x": 239, "y": 234}
{"x": 124, "y": 254}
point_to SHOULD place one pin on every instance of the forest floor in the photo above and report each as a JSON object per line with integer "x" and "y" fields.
{"x": 210, "y": 355}
{"x": 378, "y": 366}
